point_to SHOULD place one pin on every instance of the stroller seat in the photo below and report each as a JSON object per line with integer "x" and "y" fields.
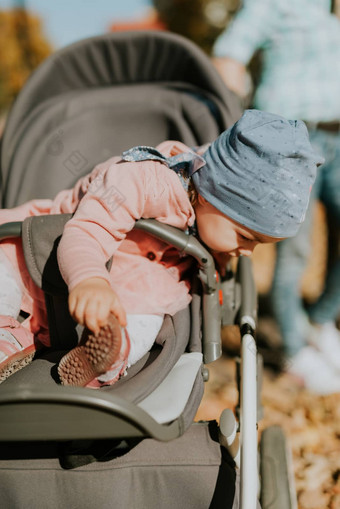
{"x": 168, "y": 377}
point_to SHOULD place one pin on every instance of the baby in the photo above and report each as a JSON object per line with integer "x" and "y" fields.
{"x": 250, "y": 186}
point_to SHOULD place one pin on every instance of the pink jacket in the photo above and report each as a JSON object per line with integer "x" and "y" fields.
{"x": 146, "y": 273}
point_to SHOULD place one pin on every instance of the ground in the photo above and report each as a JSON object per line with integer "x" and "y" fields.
{"x": 311, "y": 424}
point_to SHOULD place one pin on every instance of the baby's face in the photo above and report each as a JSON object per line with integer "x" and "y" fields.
{"x": 223, "y": 235}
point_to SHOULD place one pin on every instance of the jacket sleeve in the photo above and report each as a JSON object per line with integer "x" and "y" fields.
{"x": 115, "y": 199}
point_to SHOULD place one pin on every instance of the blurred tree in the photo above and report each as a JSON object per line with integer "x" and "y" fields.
{"x": 336, "y": 7}
{"x": 22, "y": 47}
{"x": 202, "y": 21}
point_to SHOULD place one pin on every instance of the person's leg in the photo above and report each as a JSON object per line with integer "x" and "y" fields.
{"x": 10, "y": 292}
{"x": 327, "y": 307}
{"x": 100, "y": 359}
{"x": 302, "y": 360}
{"x": 324, "y": 312}
{"x": 291, "y": 259}
{"x": 142, "y": 331}
{"x": 16, "y": 343}
{"x": 292, "y": 255}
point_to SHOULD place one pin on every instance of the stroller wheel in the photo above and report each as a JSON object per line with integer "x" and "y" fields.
{"x": 277, "y": 481}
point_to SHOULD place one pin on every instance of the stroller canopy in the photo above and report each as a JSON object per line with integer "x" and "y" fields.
{"x": 68, "y": 116}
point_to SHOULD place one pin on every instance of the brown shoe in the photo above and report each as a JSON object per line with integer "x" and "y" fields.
{"x": 94, "y": 355}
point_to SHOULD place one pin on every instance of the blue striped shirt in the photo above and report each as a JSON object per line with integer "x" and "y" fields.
{"x": 300, "y": 40}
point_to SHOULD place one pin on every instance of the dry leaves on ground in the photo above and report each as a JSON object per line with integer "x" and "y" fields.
{"x": 311, "y": 424}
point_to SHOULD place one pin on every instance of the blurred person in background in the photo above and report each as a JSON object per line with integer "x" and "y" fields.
{"x": 201, "y": 21}
{"x": 300, "y": 78}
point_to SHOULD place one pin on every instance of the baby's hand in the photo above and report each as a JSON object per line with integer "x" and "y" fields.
{"x": 92, "y": 301}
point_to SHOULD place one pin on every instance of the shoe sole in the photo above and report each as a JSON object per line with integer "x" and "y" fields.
{"x": 94, "y": 355}
{"x": 16, "y": 362}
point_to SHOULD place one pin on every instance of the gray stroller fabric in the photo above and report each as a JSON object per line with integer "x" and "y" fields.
{"x": 69, "y": 115}
{"x": 191, "y": 472}
{"x": 58, "y": 137}
{"x": 40, "y": 239}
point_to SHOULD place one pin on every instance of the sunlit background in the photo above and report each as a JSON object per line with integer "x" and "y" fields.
{"x": 67, "y": 21}
{"x": 31, "y": 29}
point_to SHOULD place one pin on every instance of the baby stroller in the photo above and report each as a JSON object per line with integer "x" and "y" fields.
{"x": 133, "y": 444}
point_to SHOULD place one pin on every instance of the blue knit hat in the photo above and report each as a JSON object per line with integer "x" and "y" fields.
{"x": 260, "y": 173}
